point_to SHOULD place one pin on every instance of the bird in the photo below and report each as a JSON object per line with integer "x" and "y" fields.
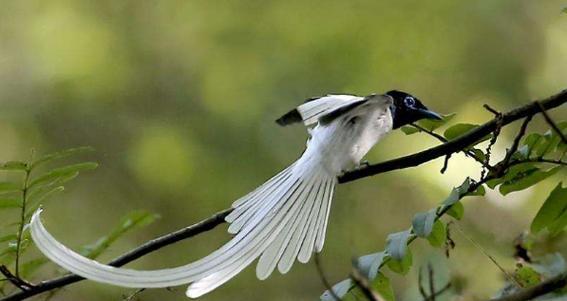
{"x": 285, "y": 218}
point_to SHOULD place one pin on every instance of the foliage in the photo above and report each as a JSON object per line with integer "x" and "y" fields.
{"x": 524, "y": 166}
{"x": 38, "y": 184}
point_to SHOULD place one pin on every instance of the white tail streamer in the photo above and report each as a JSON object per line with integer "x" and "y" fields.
{"x": 271, "y": 222}
{"x": 282, "y": 220}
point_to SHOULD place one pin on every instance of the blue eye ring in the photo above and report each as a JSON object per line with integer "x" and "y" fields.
{"x": 409, "y": 101}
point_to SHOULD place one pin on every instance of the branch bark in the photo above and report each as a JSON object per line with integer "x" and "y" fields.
{"x": 541, "y": 289}
{"x": 457, "y": 144}
{"x": 148, "y": 247}
{"x": 413, "y": 160}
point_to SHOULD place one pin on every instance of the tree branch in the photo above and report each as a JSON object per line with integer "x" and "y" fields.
{"x": 416, "y": 159}
{"x": 543, "y": 288}
{"x": 457, "y": 144}
{"x": 323, "y": 278}
{"x": 148, "y": 247}
{"x": 551, "y": 123}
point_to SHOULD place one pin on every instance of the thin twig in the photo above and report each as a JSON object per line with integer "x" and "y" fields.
{"x": 431, "y": 282}
{"x": 361, "y": 282}
{"x": 517, "y": 139}
{"x": 134, "y": 294}
{"x": 16, "y": 280}
{"x": 146, "y": 248}
{"x": 551, "y": 122}
{"x": 547, "y": 286}
{"x": 442, "y": 290}
{"x": 474, "y": 243}
{"x": 445, "y": 164}
{"x": 467, "y": 152}
{"x": 493, "y": 140}
{"x": 412, "y": 160}
{"x": 323, "y": 278}
{"x": 22, "y": 221}
{"x": 420, "y": 283}
{"x": 537, "y": 160}
{"x": 491, "y": 110}
{"x": 433, "y": 293}
{"x": 455, "y": 145}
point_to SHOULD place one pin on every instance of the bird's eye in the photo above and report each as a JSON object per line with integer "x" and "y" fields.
{"x": 409, "y": 101}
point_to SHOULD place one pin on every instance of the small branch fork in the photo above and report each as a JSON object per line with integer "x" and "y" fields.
{"x": 457, "y": 144}
{"x": 495, "y": 134}
{"x": 433, "y": 293}
{"x": 468, "y": 153}
{"x": 362, "y": 282}
{"x": 548, "y": 286}
{"x": 15, "y": 280}
{"x": 445, "y": 149}
{"x": 323, "y": 278}
{"x": 551, "y": 123}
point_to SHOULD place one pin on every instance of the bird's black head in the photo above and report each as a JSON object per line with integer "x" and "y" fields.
{"x": 407, "y": 109}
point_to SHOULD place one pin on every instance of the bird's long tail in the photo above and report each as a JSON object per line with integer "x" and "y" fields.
{"x": 281, "y": 220}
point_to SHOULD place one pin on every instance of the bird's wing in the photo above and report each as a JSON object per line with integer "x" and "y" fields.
{"x": 313, "y": 109}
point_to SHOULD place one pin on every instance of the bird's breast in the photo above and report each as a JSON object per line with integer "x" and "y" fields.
{"x": 341, "y": 145}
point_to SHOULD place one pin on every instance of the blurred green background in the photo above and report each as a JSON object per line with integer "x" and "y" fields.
{"x": 179, "y": 99}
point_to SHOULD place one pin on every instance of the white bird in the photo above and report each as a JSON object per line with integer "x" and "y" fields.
{"x": 283, "y": 219}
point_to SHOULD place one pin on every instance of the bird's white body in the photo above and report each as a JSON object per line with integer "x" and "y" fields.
{"x": 339, "y": 145}
{"x": 280, "y": 221}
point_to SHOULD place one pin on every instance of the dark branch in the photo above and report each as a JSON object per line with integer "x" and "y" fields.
{"x": 148, "y": 247}
{"x": 467, "y": 152}
{"x": 323, "y": 278}
{"x": 541, "y": 289}
{"x": 551, "y": 123}
{"x": 15, "y": 280}
{"x": 445, "y": 149}
{"x": 362, "y": 283}
{"x": 502, "y": 166}
{"x": 457, "y": 144}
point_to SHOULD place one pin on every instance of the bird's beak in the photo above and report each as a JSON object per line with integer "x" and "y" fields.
{"x": 429, "y": 114}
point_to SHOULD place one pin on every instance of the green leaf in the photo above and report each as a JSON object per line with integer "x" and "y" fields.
{"x": 8, "y": 237}
{"x": 340, "y": 289}
{"x": 369, "y": 265}
{"x": 62, "y": 172}
{"x": 457, "y": 211}
{"x": 532, "y": 141}
{"x": 10, "y": 203}
{"x": 13, "y": 165}
{"x": 433, "y": 124}
{"x": 453, "y": 197}
{"x": 526, "y": 178}
{"x": 456, "y": 193}
{"x": 480, "y": 191}
{"x": 478, "y": 154}
{"x": 438, "y": 235}
{"x": 409, "y": 130}
{"x": 423, "y": 222}
{"x": 559, "y": 225}
{"x": 43, "y": 193}
{"x": 458, "y": 130}
{"x": 9, "y": 187}
{"x": 428, "y": 124}
{"x": 382, "y": 285}
{"x": 564, "y": 10}
{"x": 61, "y": 155}
{"x": 401, "y": 266}
{"x": 552, "y": 212}
{"x": 397, "y": 244}
{"x": 527, "y": 277}
{"x": 130, "y": 221}
{"x": 550, "y": 143}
